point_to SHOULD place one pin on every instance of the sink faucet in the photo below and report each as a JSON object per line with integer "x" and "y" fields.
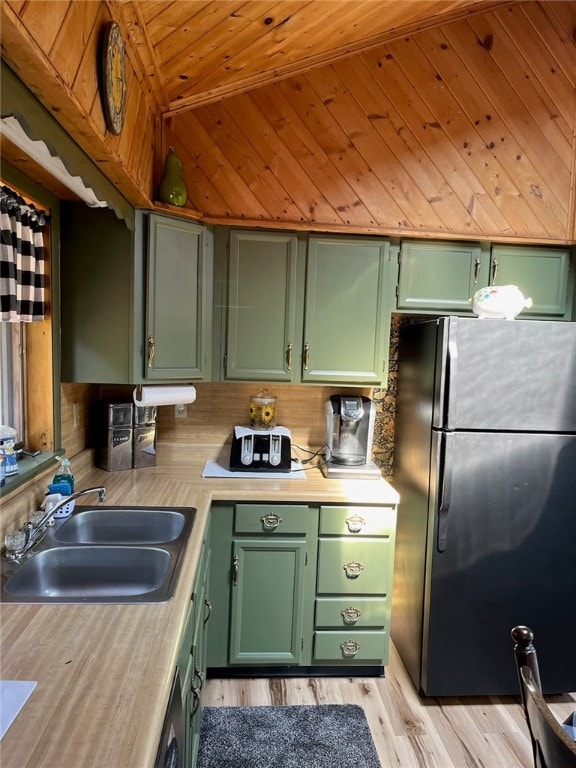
{"x": 34, "y": 532}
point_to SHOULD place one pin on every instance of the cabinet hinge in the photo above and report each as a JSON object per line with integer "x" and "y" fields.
{"x": 225, "y": 361}
{"x": 306, "y": 559}
{"x": 398, "y": 289}
{"x": 399, "y": 256}
{"x": 301, "y": 643}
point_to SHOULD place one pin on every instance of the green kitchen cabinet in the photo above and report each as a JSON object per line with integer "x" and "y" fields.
{"x": 440, "y": 277}
{"x": 354, "y": 585}
{"x": 192, "y": 658}
{"x": 315, "y": 311}
{"x": 136, "y": 304}
{"x": 178, "y": 300}
{"x": 261, "y": 318}
{"x": 268, "y": 582}
{"x": 543, "y": 274}
{"x": 298, "y": 585}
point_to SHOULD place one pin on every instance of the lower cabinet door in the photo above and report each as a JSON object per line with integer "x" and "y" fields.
{"x": 350, "y": 647}
{"x": 267, "y": 601}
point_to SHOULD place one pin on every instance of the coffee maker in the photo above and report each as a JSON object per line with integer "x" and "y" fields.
{"x": 349, "y": 436}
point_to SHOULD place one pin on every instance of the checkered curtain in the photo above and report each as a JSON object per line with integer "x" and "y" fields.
{"x": 21, "y": 259}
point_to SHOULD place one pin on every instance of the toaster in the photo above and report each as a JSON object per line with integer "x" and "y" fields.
{"x": 258, "y": 451}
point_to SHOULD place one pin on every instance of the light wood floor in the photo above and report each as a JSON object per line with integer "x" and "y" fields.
{"x": 408, "y": 731}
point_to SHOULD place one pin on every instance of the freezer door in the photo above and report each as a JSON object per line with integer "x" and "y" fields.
{"x": 502, "y": 552}
{"x": 505, "y": 375}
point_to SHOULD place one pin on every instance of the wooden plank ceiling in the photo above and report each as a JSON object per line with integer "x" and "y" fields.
{"x": 461, "y": 129}
{"x": 194, "y": 52}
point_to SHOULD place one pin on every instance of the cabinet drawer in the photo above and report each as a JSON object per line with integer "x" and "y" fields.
{"x": 338, "y": 612}
{"x": 351, "y": 646}
{"x": 271, "y": 518}
{"x": 353, "y": 566}
{"x": 360, "y": 521}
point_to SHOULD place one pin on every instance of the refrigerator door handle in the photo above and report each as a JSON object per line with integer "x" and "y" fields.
{"x": 451, "y": 370}
{"x": 444, "y": 506}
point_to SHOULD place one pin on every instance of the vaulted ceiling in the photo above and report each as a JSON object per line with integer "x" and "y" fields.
{"x": 197, "y": 52}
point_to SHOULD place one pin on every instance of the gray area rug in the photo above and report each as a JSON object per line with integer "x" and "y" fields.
{"x": 323, "y": 736}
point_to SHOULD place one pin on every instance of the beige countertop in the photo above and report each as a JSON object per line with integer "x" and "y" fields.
{"x": 104, "y": 671}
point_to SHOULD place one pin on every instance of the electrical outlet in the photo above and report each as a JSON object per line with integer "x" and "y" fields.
{"x": 180, "y": 411}
{"x": 76, "y": 415}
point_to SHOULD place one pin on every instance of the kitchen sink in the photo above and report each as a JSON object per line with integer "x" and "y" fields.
{"x": 103, "y": 555}
{"x": 123, "y": 525}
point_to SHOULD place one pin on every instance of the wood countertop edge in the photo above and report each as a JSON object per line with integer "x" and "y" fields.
{"x": 125, "y": 654}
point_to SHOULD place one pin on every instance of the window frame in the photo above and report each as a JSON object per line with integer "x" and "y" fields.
{"x": 43, "y": 395}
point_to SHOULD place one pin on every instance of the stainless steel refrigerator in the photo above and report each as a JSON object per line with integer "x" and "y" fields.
{"x": 485, "y": 463}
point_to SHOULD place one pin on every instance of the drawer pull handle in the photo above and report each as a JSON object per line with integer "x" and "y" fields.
{"x": 235, "y": 570}
{"x": 151, "y": 350}
{"x": 353, "y": 569}
{"x": 350, "y": 615}
{"x": 349, "y": 648}
{"x": 196, "y": 696}
{"x": 271, "y": 521}
{"x": 355, "y": 523}
{"x": 208, "y": 605}
{"x": 199, "y": 675}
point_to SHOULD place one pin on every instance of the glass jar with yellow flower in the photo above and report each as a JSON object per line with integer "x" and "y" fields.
{"x": 263, "y": 410}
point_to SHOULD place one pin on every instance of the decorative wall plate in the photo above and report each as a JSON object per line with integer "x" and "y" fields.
{"x": 113, "y": 78}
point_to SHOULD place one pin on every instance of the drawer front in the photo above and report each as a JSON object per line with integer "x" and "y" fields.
{"x": 271, "y": 518}
{"x": 350, "y": 647}
{"x": 358, "y": 612}
{"x": 353, "y": 566}
{"x": 357, "y": 521}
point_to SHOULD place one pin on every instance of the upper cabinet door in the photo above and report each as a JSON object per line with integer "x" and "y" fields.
{"x": 261, "y": 342}
{"x": 541, "y": 274}
{"x": 179, "y": 300}
{"x": 347, "y": 311}
{"x": 440, "y": 277}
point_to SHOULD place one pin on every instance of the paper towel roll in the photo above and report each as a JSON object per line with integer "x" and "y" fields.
{"x": 164, "y": 395}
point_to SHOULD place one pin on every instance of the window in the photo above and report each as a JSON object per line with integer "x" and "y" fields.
{"x": 27, "y": 373}
{"x": 13, "y": 377}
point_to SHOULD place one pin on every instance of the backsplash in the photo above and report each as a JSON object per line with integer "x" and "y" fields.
{"x": 301, "y": 408}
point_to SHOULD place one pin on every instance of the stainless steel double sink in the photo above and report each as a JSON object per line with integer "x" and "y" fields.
{"x": 103, "y": 555}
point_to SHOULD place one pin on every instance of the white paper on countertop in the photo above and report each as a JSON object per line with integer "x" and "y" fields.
{"x": 13, "y": 696}
{"x": 214, "y": 469}
{"x": 243, "y": 431}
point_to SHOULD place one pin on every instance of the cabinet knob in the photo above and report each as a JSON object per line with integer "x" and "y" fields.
{"x": 355, "y": 523}
{"x": 349, "y": 648}
{"x": 350, "y": 615}
{"x": 353, "y": 569}
{"x": 151, "y": 350}
{"x": 270, "y": 521}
